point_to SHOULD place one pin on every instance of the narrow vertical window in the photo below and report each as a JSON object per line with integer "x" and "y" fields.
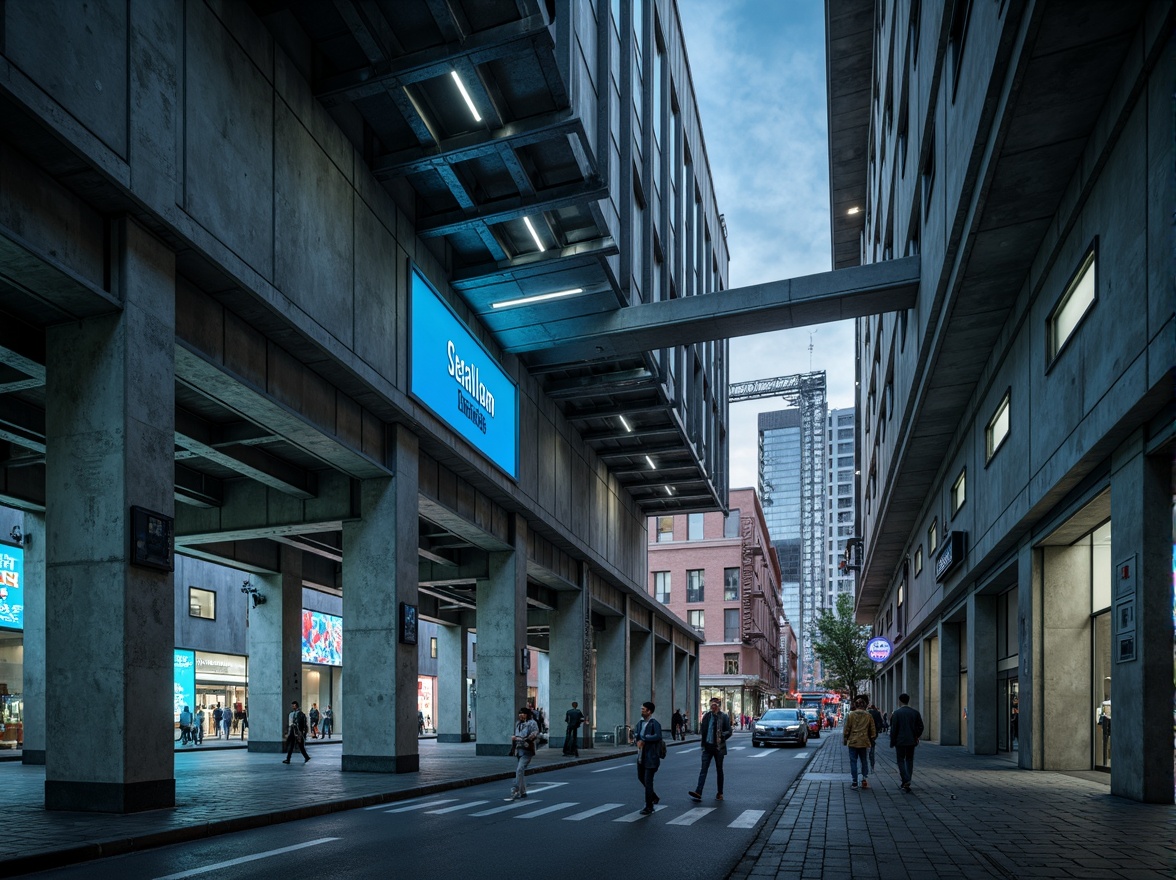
{"x": 694, "y": 527}
{"x": 661, "y": 586}
{"x": 1080, "y": 295}
{"x": 998, "y": 428}
{"x": 959, "y": 492}
{"x": 665, "y": 529}
{"x": 730, "y": 584}
{"x": 933, "y": 536}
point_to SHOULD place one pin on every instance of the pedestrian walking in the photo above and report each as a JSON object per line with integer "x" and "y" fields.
{"x": 906, "y": 727}
{"x": 715, "y": 731}
{"x": 522, "y": 746}
{"x": 573, "y": 718}
{"x": 314, "y": 721}
{"x": 328, "y": 722}
{"x": 859, "y": 734}
{"x": 244, "y": 721}
{"x": 198, "y": 727}
{"x": 677, "y": 722}
{"x": 649, "y": 740}
{"x": 185, "y": 726}
{"x": 296, "y": 732}
{"x": 217, "y": 714}
{"x": 877, "y": 716}
{"x": 420, "y": 723}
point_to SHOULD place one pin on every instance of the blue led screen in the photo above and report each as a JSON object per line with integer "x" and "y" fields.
{"x": 184, "y": 692}
{"x": 454, "y": 376}
{"x": 11, "y": 587}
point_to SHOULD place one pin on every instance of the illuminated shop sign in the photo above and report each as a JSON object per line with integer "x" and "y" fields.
{"x": 950, "y": 556}
{"x": 11, "y": 587}
{"x": 322, "y": 638}
{"x": 184, "y": 693}
{"x": 878, "y": 649}
{"x": 455, "y": 377}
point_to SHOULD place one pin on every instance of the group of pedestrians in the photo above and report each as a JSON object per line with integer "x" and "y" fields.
{"x": 192, "y": 723}
{"x": 860, "y": 734}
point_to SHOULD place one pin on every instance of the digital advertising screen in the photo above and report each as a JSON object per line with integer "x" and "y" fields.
{"x": 322, "y": 638}
{"x": 455, "y": 377}
{"x": 184, "y": 693}
{"x": 11, "y": 587}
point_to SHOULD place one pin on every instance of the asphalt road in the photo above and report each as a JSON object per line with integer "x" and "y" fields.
{"x": 580, "y": 821}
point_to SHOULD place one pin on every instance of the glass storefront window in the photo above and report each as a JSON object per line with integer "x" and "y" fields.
{"x": 1101, "y": 717}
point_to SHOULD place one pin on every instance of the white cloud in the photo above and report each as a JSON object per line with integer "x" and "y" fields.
{"x": 758, "y": 68}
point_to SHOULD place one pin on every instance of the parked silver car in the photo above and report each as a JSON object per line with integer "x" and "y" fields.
{"x": 780, "y": 726}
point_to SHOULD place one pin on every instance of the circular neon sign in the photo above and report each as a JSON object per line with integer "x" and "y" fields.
{"x": 878, "y": 649}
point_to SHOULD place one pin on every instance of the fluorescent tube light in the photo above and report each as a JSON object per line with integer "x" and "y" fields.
{"x": 534, "y": 234}
{"x": 625, "y": 424}
{"x": 539, "y": 297}
{"x": 652, "y": 466}
{"x": 669, "y": 491}
{"x": 469, "y": 101}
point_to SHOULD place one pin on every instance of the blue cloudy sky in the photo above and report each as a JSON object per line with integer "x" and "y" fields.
{"x": 758, "y": 68}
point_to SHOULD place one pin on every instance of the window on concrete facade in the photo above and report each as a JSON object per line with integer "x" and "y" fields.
{"x": 697, "y": 619}
{"x": 1080, "y": 296}
{"x": 998, "y": 428}
{"x": 731, "y": 524}
{"x": 959, "y": 492}
{"x": 665, "y": 529}
{"x": 730, "y": 624}
{"x": 661, "y": 586}
{"x": 201, "y": 603}
{"x": 433, "y": 647}
{"x": 933, "y": 536}
{"x": 730, "y": 664}
{"x": 694, "y": 527}
{"x": 730, "y": 584}
{"x": 957, "y": 35}
{"x": 919, "y": 559}
{"x": 695, "y": 584}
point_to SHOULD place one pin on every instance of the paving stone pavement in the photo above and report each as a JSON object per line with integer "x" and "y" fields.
{"x": 968, "y": 816}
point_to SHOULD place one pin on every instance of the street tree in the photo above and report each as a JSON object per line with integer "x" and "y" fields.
{"x": 840, "y": 644}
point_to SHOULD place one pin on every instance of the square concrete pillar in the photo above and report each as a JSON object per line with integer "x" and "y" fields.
{"x": 502, "y": 641}
{"x": 682, "y": 698}
{"x": 34, "y": 639}
{"x": 983, "y": 701}
{"x": 950, "y": 699}
{"x": 1029, "y": 671}
{"x": 568, "y": 662}
{"x": 663, "y": 678}
{"x": 274, "y": 643}
{"x": 1141, "y": 535}
{"x": 612, "y": 678}
{"x": 379, "y": 575}
{"x": 452, "y": 672}
{"x": 1066, "y": 715}
{"x": 110, "y": 625}
{"x": 640, "y": 673}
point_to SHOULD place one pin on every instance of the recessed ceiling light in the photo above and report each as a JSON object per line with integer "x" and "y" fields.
{"x": 534, "y": 234}
{"x": 854, "y": 210}
{"x": 539, "y": 297}
{"x": 669, "y": 491}
{"x": 652, "y": 466}
{"x": 469, "y": 101}
{"x": 625, "y": 424}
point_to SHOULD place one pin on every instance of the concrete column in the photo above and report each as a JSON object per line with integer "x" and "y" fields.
{"x": 663, "y": 679}
{"x": 681, "y": 682}
{"x": 1029, "y": 668}
{"x": 274, "y": 643}
{"x": 983, "y": 698}
{"x": 34, "y": 639}
{"x": 612, "y": 676}
{"x": 1066, "y": 716}
{"x": 452, "y": 672}
{"x": 1141, "y": 499}
{"x": 568, "y": 661}
{"x": 640, "y": 673}
{"x": 502, "y": 636}
{"x": 379, "y": 575}
{"x": 110, "y": 626}
{"x": 950, "y": 707}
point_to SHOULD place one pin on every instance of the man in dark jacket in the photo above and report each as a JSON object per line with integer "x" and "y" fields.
{"x": 877, "y": 716}
{"x": 573, "y": 718}
{"x": 648, "y": 738}
{"x": 906, "y": 726}
{"x": 296, "y": 732}
{"x": 715, "y": 730}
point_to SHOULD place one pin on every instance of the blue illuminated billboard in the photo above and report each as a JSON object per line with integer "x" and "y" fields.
{"x": 184, "y": 691}
{"x": 11, "y": 587}
{"x": 322, "y": 638}
{"x": 455, "y": 377}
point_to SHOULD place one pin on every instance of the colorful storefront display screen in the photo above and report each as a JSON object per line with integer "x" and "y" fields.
{"x": 455, "y": 377}
{"x": 184, "y": 693}
{"x": 11, "y": 587}
{"x": 322, "y": 638}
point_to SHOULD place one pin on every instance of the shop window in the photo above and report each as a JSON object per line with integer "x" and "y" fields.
{"x": 730, "y": 664}
{"x": 695, "y": 584}
{"x": 694, "y": 527}
{"x": 730, "y": 584}
{"x": 731, "y": 625}
{"x": 1080, "y": 296}
{"x": 959, "y": 492}
{"x": 661, "y": 586}
{"x": 998, "y": 429}
{"x": 697, "y": 619}
{"x": 201, "y": 603}
{"x": 665, "y": 529}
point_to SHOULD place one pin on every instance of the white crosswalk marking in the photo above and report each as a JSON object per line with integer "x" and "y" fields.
{"x": 747, "y": 819}
{"x": 762, "y": 754}
{"x": 613, "y": 767}
{"x": 588, "y": 814}
{"x": 553, "y": 808}
{"x": 527, "y": 802}
{"x": 736, "y": 748}
{"x": 456, "y": 808}
{"x": 421, "y": 806}
{"x": 691, "y": 816}
{"x": 802, "y": 755}
{"x": 634, "y": 817}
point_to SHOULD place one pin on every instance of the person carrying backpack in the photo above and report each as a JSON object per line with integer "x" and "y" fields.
{"x": 296, "y": 732}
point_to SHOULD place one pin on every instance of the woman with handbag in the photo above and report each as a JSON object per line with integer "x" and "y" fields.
{"x": 522, "y": 746}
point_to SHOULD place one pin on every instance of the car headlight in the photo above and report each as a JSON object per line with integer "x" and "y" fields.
{"x": 759, "y": 729}
{"x": 794, "y": 728}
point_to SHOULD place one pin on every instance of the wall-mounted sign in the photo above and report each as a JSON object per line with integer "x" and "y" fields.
{"x": 455, "y": 377}
{"x": 951, "y": 555}
{"x": 408, "y": 624}
{"x": 878, "y": 649}
{"x": 322, "y": 638}
{"x": 1125, "y": 610}
{"x": 184, "y": 686}
{"x": 11, "y": 587}
{"x": 152, "y": 539}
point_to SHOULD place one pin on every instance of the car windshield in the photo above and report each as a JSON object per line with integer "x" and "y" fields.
{"x": 779, "y": 715}
{"x": 810, "y": 714}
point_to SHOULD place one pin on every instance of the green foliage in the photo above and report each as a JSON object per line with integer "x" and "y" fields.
{"x": 840, "y": 645}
